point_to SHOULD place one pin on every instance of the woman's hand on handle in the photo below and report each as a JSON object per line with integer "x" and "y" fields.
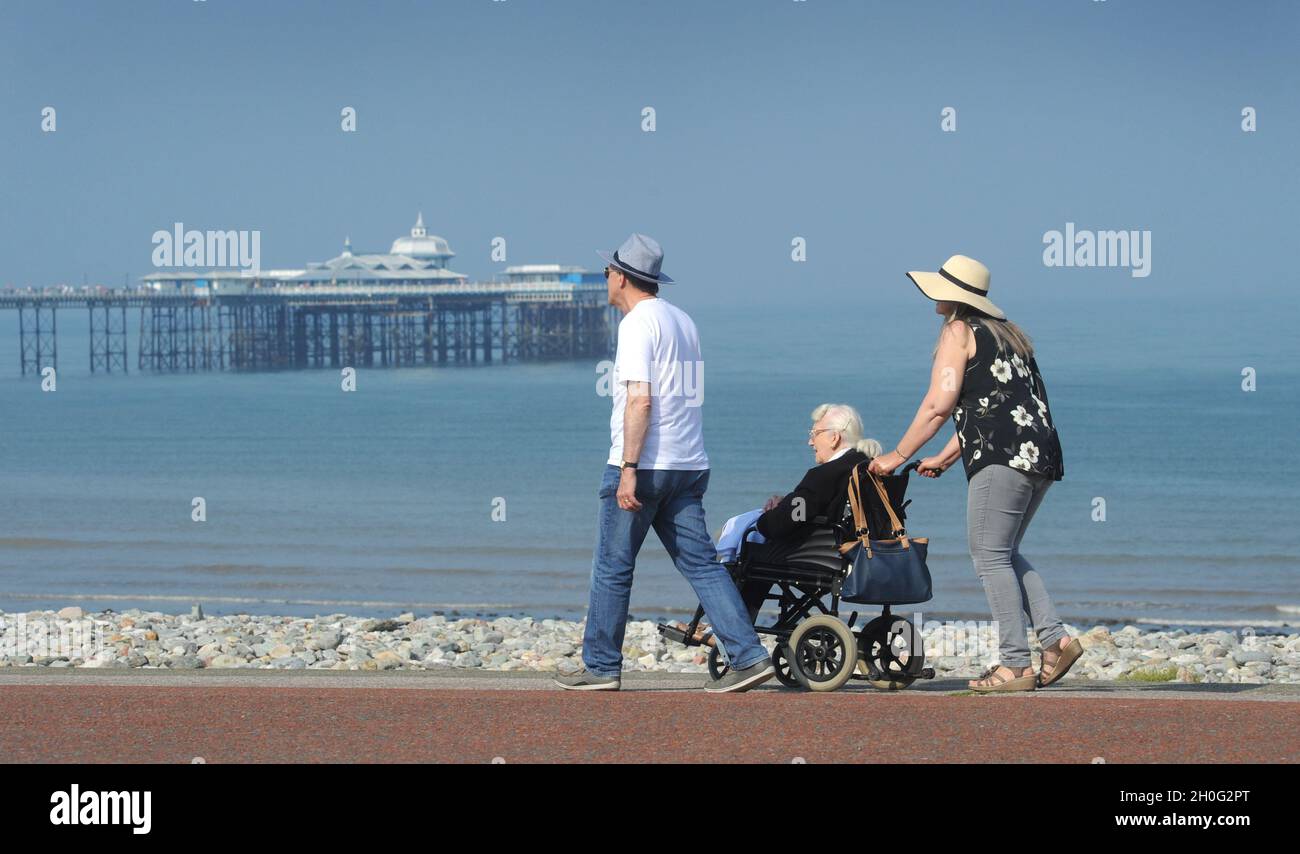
{"x": 939, "y": 463}
{"x": 931, "y": 467}
{"x": 771, "y": 502}
{"x": 886, "y": 463}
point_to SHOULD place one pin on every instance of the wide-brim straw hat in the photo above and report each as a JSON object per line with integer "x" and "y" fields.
{"x": 960, "y": 279}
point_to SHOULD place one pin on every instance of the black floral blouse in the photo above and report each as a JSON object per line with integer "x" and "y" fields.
{"x": 1002, "y": 415}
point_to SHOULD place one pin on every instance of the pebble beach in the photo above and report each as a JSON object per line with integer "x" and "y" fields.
{"x": 150, "y": 639}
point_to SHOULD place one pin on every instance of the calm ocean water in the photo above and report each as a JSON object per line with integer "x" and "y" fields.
{"x": 381, "y": 500}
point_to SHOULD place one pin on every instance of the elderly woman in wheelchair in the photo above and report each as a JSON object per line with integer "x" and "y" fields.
{"x": 785, "y": 522}
{"x": 788, "y": 553}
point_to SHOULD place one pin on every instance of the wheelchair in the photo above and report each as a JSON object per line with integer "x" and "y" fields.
{"x": 816, "y": 649}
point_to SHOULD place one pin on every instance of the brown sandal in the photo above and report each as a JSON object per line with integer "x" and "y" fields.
{"x": 1060, "y": 663}
{"x": 990, "y": 681}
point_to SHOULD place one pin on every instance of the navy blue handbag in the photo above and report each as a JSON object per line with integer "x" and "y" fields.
{"x": 883, "y": 571}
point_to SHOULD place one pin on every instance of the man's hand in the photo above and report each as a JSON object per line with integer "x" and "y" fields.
{"x": 626, "y": 494}
{"x": 771, "y": 502}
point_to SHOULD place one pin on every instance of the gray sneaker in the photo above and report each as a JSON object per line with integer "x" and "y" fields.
{"x": 735, "y": 681}
{"x": 586, "y": 681}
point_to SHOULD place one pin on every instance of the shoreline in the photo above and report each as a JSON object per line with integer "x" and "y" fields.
{"x": 1286, "y": 620}
{"x": 138, "y": 639}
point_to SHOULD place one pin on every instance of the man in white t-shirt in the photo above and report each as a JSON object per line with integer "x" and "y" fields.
{"x": 655, "y": 477}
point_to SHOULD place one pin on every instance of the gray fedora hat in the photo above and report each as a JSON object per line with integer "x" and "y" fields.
{"x": 639, "y": 256}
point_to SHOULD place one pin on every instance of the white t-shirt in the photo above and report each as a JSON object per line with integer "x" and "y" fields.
{"x": 658, "y": 344}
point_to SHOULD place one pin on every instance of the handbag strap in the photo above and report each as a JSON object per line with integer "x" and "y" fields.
{"x": 855, "y": 503}
{"x": 859, "y": 517}
{"x": 859, "y": 514}
{"x": 898, "y": 529}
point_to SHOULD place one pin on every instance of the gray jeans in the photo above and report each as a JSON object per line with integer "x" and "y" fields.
{"x": 1000, "y": 503}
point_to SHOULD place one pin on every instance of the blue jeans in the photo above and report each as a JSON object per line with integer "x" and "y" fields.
{"x": 672, "y": 502}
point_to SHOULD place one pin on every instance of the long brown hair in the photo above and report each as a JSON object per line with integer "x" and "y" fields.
{"x": 1006, "y": 334}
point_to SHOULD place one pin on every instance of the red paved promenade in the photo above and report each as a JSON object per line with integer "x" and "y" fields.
{"x": 71, "y": 718}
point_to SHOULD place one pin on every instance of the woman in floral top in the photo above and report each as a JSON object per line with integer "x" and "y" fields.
{"x": 985, "y": 376}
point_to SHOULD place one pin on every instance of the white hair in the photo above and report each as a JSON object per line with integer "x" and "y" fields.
{"x": 844, "y": 419}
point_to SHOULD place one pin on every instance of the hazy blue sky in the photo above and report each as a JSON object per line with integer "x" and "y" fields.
{"x": 775, "y": 119}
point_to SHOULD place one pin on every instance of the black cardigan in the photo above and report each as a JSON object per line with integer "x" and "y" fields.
{"x": 823, "y": 489}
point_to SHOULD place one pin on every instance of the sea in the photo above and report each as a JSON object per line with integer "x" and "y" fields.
{"x": 472, "y": 490}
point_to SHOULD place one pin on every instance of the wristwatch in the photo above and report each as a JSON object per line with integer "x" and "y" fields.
{"x": 627, "y": 465}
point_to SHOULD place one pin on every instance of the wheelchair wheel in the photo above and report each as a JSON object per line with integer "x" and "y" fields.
{"x": 892, "y": 657}
{"x": 717, "y": 667}
{"x": 784, "y": 673}
{"x": 823, "y": 653}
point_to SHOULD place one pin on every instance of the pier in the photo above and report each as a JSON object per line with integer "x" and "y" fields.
{"x": 321, "y": 326}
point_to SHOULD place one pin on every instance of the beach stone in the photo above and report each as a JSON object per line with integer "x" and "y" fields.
{"x": 388, "y": 660}
{"x": 186, "y": 662}
{"x": 1099, "y": 636}
{"x": 1244, "y": 656}
{"x": 225, "y": 660}
{"x": 72, "y": 612}
{"x": 104, "y": 659}
{"x": 467, "y": 659}
{"x": 324, "y": 640}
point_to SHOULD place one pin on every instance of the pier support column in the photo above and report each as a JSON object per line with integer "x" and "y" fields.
{"x": 38, "y": 346}
{"x": 107, "y": 336}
